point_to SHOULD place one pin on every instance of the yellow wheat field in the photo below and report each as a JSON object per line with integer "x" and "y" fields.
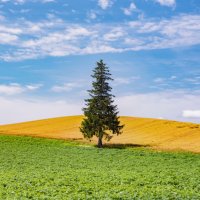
{"x": 159, "y": 134}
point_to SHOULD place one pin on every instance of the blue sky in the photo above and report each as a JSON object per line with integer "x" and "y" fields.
{"x": 48, "y": 49}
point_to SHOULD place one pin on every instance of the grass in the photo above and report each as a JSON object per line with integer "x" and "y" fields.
{"x": 36, "y": 168}
{"x": 159, "y": 134}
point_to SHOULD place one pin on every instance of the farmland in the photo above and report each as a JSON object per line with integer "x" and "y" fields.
{"x": 38, "y": 168}
{"x": 158, "y": 134}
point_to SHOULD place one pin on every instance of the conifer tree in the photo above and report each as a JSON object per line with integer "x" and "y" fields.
{"x": 101, "y": 116}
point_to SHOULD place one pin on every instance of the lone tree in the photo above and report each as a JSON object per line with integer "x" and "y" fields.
{"x": 101, "y": 118}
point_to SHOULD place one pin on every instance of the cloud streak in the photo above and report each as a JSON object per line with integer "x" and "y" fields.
{"x": 25, "y": 1}
{"x": 67, "y": 87}
{"x": 169, "y": 3}
{"x": 56, "y": 37}
{"x": 15, "y": 88}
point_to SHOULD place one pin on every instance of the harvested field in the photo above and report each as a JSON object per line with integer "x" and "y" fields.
{"x": 159, "y": 134}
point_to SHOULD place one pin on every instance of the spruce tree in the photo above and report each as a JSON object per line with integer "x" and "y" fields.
{"x": 101, "y": 116}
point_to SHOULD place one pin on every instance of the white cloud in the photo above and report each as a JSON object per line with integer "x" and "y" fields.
{"x": 12, "y": 112}
{"x": 69, "y": 34}
{"x": 10, "y": 30}
{"x": 99, "y": 47}
{"x": 191, "y": 114}
{"x": 123, "y": 80}
{"x": 104, "y": 4}
{"x": 178, "y": 31}
{"x": 167, "y": 104}
{"x": 114, "y": 34}
{"x": 174, "y": 105}
{"x": 133, "y": 41}
{"x": 33, "y": 87}
{"x": 15, "y": 88}
{"x": 159, "y": 80}
{"x": 11, "y": 89}
{"x": 48, "y": 1}
{"x": 169, "y": 3}
{"x": 66, "y": 87}
{"x": 6, "y": 38}
{"x": 14, "y": 1}
{"x": 55, "y": 37}
{"x": 130, "y": 9}
{"x": 24, "y": 1}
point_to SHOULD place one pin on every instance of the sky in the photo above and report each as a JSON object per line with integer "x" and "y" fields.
{"x": 48, "y": 49}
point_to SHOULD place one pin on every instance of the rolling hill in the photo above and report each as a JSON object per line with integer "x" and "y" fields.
{"x": 159, "y": 134}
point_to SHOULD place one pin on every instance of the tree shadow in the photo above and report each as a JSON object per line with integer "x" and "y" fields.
{"x": 123, "y": 146}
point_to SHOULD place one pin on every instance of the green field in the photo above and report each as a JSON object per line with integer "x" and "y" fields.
{"x": 33, "y": 168}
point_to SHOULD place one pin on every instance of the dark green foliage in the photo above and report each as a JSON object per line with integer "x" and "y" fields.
{"x": 101, "y": 115}
{"x": 32, "y": 168}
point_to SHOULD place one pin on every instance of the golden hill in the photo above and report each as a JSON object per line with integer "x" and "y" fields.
{"x": 160, "y": 134}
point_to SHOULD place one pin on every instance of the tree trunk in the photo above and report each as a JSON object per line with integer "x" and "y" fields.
{"x": 100, "y": 145}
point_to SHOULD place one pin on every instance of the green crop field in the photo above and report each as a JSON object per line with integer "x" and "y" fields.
{"x": 33, "y": 168}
